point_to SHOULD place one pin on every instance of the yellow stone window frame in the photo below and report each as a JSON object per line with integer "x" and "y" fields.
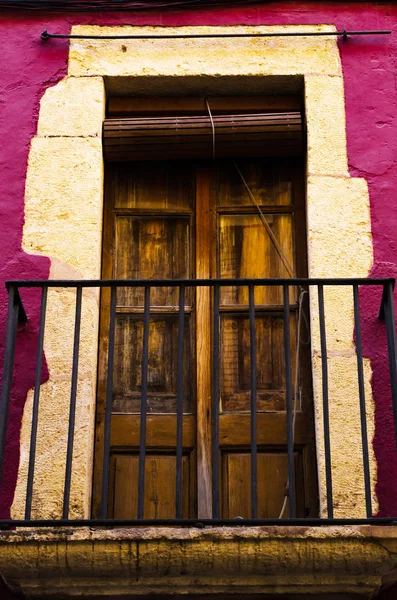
{"x": 63, "y": 220}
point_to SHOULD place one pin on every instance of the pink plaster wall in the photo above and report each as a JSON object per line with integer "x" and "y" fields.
{"x": 369, "y": 65}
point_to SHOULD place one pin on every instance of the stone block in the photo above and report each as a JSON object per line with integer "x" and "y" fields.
{"x": 64, "y": 202}
{"x": 74, "y": 107}
{"x": 326, "y": 125}
{"x": 215, "y": 57}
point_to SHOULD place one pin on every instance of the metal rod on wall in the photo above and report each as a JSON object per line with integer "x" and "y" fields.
{"x": 344, "y": 34}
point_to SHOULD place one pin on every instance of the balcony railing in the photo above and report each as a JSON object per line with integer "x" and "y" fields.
{"x": 315, "y": 289}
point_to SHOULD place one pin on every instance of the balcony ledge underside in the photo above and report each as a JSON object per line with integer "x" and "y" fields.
{"x": 262, "y": 561}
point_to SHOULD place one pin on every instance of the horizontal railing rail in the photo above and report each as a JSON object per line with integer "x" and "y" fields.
{"x": 291, "y": 282}
{"x": 313, "y": 286}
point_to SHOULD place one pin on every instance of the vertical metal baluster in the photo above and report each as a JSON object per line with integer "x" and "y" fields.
{"x": 324, "y": 369}
{"x": 289, "y": 407}
{"x": 215, "y": 408}
{"x": 36, "y": 399}
{"x": 179, "y": 403}
{"x": 361, "y": 391}
{"x": 390, "y": 322}
{"x": 254, "y": 448}
{"x": 72, "y": 407}
{"x": 9, "y": 356}
{"x": 142, "y": 440}
{"x": 108, "y": 409}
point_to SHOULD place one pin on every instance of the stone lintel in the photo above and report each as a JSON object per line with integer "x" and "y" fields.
{"x": 261, "y": 561}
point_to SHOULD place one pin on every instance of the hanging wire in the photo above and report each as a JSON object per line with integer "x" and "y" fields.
{"x": 213, "y": 128}
{"x": 273, "y": 238}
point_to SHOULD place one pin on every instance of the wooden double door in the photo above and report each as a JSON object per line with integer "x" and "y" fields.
{"x": 166, "y": 220}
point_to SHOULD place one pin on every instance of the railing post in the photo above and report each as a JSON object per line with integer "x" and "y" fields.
{"x": 361, "y": 392}
{"x": 9, "y": 356}
{"x": 390, "y": 321}
{"x": 289, "y": 407}
{"x": 36, "y": 399}
{"x": 215, "y": 408}
{"x": 142, "y": 426}
{"x": 253, "y": 403}
{"x": 179, "y": 407}
{"x": 324, "y": 373}
{"x": 109, "y": 400}
{"x": 72, "y": 406}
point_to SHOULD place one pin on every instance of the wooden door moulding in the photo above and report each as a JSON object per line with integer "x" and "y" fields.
{"x": 203, "y": 325}
{"x": 123, "y": 106}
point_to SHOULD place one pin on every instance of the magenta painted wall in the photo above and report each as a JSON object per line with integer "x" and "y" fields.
{"x": 29, "y": 66}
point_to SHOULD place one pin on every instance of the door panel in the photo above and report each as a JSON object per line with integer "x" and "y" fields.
{"x": 171, "y": 186}
{"x": 242, "y": 239}
{"x": 235, "y": 362}
{"x": 151, "y": 248}
{"x": 160, "y": 497}
{"x": 162, "y": 364}
{"x": 272, "y": 479}
{"x": 234, "y": 431}
{"x": 160, "y": 432}
{"x": 269, "y": 181}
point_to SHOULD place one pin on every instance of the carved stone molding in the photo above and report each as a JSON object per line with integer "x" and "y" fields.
{"x": 260, "y": 561}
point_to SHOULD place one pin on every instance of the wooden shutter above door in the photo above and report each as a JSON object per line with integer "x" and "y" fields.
{"x": 257, "y": 129}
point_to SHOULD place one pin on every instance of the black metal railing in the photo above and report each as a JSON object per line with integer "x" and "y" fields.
{"x": 315, "y": 288}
